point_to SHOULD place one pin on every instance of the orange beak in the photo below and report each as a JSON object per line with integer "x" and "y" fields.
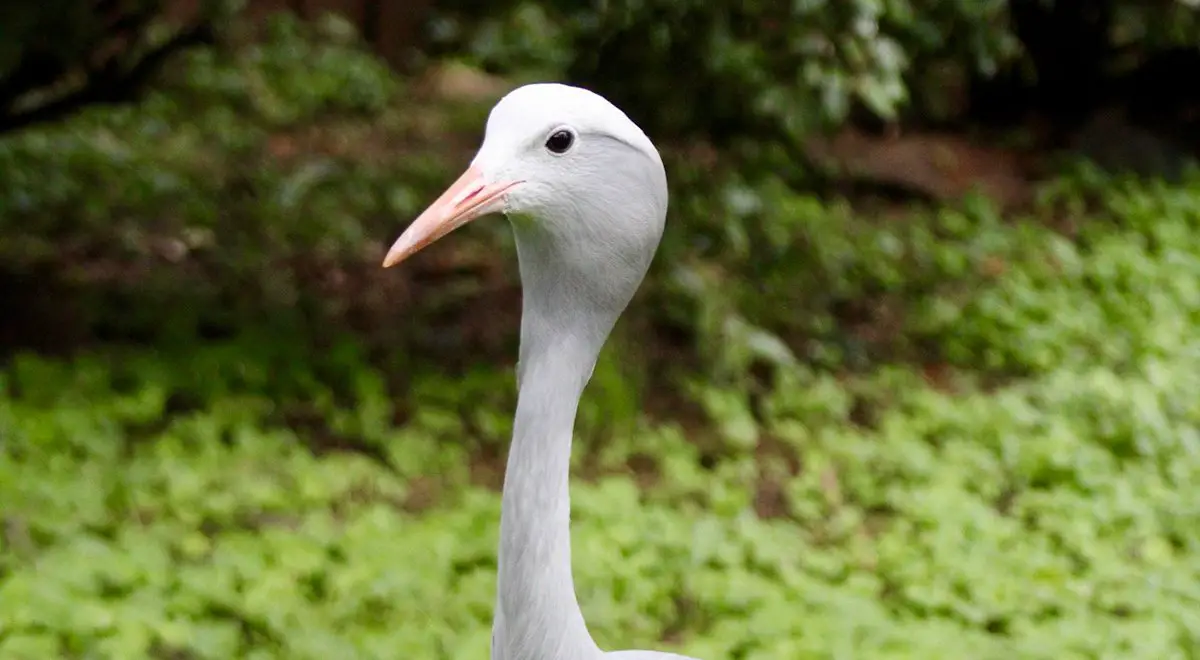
{"x": 466, "y": 199}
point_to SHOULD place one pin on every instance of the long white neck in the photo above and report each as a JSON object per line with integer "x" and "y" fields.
{"x": 563, "y": 326}
{"x": 537, "y": 614}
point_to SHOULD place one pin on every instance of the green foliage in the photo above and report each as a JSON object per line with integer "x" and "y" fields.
{"x": 1138, "y": 259}
{"x": 102, "y": 51}
{"x": 767, "y": 276}
{"x": 761, "y": 76}
{"x": 167, "y": 505}
{"x": 975, "y": 438}
{"x": 793, "y": 66}
{"x": 219, "y": 165}
{"x": 256, "y": 498}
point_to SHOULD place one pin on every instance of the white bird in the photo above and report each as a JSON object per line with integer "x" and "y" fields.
{"x": 586, "y": 195}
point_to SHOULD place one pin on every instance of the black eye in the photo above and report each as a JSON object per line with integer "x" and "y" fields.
{"x": 560, "y": 141}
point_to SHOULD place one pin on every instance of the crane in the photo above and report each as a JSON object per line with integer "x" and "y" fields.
{"x": 586, "y": 195}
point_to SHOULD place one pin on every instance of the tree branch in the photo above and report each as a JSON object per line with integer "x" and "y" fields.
{"x": 111, "y": 83}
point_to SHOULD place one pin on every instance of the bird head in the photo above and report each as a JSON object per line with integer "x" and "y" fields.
{"x": 583, "y": 185}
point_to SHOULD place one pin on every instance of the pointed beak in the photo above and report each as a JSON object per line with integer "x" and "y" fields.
{"x": 466, "y": 199}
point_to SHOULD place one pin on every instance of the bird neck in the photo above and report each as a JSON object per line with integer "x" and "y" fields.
{"x": 538, "y": 615}
{"x": 572, "y": 294}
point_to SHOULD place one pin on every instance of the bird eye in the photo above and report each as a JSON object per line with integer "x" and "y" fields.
{"x": 560, "y": 141}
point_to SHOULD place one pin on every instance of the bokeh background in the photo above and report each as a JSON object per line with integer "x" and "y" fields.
{"x": 915, "y": 375}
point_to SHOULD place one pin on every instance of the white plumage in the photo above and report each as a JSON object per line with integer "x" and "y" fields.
{"x": 586, "y": 194}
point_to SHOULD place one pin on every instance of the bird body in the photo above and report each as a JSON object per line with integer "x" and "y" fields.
{"x": 586, "y": 195}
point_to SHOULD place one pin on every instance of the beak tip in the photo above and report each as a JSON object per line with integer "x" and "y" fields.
{"x": 399, "y": 251}
{"x": 394, "y": 256}
{"x": 467, "y": 198}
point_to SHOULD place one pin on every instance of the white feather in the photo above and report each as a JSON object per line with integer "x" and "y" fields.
{"x": 587, "y": 223}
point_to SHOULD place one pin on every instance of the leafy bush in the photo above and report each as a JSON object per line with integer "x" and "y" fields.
{"x": 219, "y": 167}
{"x": 976, "y": 438}
{"x": 794, "y": 66}
{"x": 1137, "y": 258}
{"x": 761, "y": 76}
{"x": 257, "y": 499}
{"x": 202, "y": 503}
{"x": 102, "y": 52}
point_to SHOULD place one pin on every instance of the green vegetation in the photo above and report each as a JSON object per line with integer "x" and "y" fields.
{"x": 768, "y": 73}
{"x": 890, "y": 434}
